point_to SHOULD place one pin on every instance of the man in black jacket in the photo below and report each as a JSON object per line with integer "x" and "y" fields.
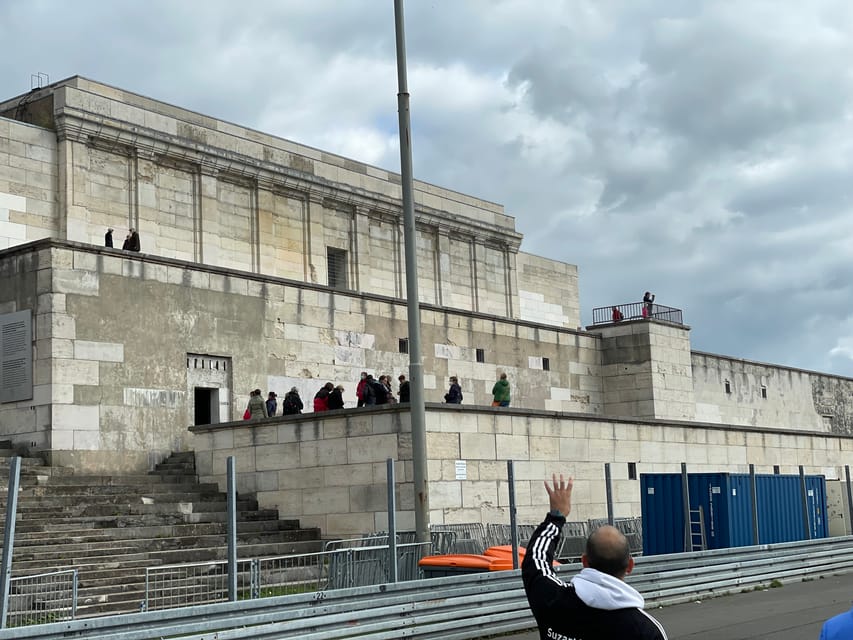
{"x": 597, "y": 605}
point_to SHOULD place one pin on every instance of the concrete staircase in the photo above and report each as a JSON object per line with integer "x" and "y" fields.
{"x": 110, "y": 528}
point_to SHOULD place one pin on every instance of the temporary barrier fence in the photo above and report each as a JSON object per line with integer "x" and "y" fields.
{"x": 344, "y": 565}
{"x": 42, "y": 598}
{"x": 461, "y": 607}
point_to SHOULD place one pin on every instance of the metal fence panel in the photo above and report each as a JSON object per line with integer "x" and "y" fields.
{"x": 42, "y": 598}
{"x": 463, "y": 607}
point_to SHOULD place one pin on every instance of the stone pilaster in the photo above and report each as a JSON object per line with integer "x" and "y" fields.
{"x": 360, "y": 243}
{"x": 208, "y": 216}
{"x": 315, "y": 247}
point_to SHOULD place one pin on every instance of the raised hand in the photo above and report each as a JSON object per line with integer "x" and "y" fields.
{"x": 560, "y": 493}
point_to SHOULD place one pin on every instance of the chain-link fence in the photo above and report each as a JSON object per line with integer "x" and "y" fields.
{"x": 42, "y": 598}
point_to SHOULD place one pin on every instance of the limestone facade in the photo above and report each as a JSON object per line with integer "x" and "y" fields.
{"x": 270, "y": 264}
{"x": 118, "y": 336}
{"x": 330, "y": 471}
{"x": 207, "y": 191}
{"x": 28, "y": 179}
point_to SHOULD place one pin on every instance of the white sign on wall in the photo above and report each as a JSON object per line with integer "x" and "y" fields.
{"x": 461, "y": 469}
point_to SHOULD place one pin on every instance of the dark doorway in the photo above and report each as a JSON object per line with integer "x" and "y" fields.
{"x": 206, "y": 405}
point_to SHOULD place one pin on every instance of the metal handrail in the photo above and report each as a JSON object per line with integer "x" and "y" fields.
{"x": 470, "y": 606}
{"x": 637, "y": 311}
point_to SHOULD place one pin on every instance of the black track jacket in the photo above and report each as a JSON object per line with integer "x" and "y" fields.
{"x": 595, "y": 606}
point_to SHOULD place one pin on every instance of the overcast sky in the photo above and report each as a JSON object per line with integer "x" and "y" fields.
{"x": 700, "y": 150}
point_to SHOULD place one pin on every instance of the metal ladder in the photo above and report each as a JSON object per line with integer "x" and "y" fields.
{"x": 694, "y": 531}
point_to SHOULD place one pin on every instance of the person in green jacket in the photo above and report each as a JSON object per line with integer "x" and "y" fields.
{"x": 500, "y": 392}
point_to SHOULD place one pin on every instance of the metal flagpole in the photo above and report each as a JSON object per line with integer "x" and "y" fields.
{"x": 416, "y": 384}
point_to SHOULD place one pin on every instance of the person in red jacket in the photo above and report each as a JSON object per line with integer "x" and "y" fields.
{"x": 597, "y": 604}
{"x": 321, "y": 399}
{"x": 359, "y": 390}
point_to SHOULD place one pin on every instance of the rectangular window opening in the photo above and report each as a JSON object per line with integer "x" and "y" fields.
{"x": 336, "y": 263}
{"x": 728, "y": 387}
{"x": 776, "y": 470}
{"x": 632, "y": 471}
{"x": 546, "y": 364}
{"x": 763, "y": 391}
{"x": 481, "y": 355}
{"x": 404, "y": 345}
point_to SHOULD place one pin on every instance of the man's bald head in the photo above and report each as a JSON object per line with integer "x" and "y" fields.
{"x": 607, "y": 551}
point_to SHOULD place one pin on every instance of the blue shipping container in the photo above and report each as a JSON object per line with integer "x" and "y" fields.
{"x": 726, "y": 502}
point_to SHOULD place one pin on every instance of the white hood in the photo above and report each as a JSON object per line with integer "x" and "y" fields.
{"x": 601, "y": 591}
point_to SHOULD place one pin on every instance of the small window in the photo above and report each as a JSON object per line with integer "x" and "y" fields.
{"x": 776, "y": 470}
{"x": 632, "y": 471}
{"x": 403, "y": 345}
{"x": 546, "y": 364}
{"x": 763, "y": 391}
{"x": 336, "y": 262}
{"x": 481, "y": 355}
{"x": 728, "y": 387}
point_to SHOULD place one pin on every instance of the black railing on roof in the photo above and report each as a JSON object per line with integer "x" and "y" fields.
{"x": 636, "y": 311}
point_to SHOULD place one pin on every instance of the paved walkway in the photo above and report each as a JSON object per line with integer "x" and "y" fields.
{"x": 792, "y": 612}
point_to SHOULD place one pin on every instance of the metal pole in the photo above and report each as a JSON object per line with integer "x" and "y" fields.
{"x": 9, "y": 536}
{"x": 608, "y": 486}
{"x": 392, "y": 521}
{"x": 804, "y": 496}
{"x": 685, "y": 503}
{"x": 513, "y": 524}
{"x": 753, "y": 488}
{"x": 849, "y": 498}
{"x": 232, "y": 530}
{"x": 416, "y": 383}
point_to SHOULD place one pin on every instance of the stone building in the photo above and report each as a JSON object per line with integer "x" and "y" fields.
{"x": 265, "y": 263}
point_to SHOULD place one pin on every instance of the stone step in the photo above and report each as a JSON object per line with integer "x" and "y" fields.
{"x": 175, "y": 471}
{"x": 91, "y": 567}
{"x": 91, "y": 534}
{"x": 93, "y": 481}
{"x": 26, "y": 463}
{"x": 95, "y": 563}
{"x": 134, "y": 489}
{"x": 145, "y": 497}
{"x": 26, "y": 512}
{"x": 61, "y": 550}
{"x": 141, "y": 520}
{"x": 33, "y": 466}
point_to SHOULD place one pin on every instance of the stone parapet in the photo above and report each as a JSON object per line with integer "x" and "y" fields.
{"x": 332, "y": 466}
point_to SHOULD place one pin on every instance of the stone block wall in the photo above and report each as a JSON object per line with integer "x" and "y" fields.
{"x": 647, "y": 370}
{"x": 329, "y": 471}
{"x": 28, "y": 183}
{"x": 119, "y": 327}
{"x": 739, "y": 391}
{"x": 547, "y": 291}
